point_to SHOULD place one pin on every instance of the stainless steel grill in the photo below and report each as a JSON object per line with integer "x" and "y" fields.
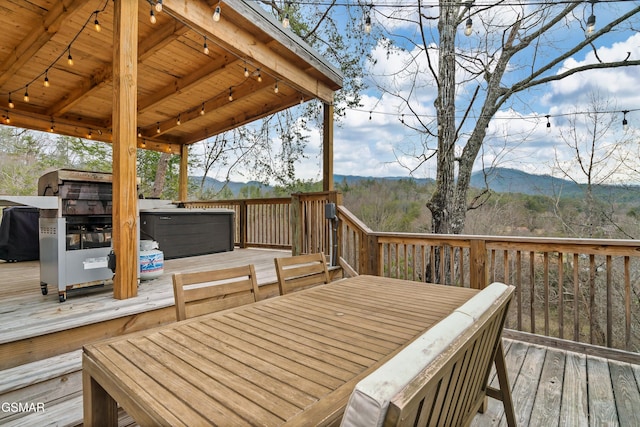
{"x": 75, "y": 238}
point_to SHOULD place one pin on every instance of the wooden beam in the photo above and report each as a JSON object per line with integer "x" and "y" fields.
{"x": 38, "y": 37}
{"x": 218, "y": 66}
{"x": 125, "y": 208}
{"x": 327, "y": 149}
{"x": 245, "y": 45}
{"x": 103, "y": 75}
{"x": 184, "y": 173}
{"x": 232, "y": 123}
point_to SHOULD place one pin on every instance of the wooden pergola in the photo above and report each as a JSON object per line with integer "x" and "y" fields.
{"x": 135, "y": 73}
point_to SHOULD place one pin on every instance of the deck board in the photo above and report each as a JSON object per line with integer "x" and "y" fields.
{"x": 25, "y": 312}
{"x": 556, "y": 392}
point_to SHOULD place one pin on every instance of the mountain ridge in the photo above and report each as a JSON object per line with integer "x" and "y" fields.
{"x": 499, "y": 180}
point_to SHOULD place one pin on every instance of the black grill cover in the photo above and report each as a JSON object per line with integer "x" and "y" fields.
{"x": 19, "y": 234}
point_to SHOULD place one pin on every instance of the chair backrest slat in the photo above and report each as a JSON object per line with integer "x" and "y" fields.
{"x": 302, "y": 271}
{"x": 204, "y": 292}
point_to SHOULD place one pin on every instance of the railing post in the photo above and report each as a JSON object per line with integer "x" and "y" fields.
{"x": 296, "y": 224}
{"x": 244, "y": 211}
{"x": 369, "y": 255}
{"x": 478, "y": 264}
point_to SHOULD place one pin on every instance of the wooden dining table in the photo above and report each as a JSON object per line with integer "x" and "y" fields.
{"x": 288, "y": 360}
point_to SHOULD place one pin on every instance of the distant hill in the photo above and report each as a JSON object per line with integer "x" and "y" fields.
{"x": 499, "y": 180}
{"x": 504, "y": 180}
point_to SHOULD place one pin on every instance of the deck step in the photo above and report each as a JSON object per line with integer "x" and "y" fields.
{"x": 39, "y": 391}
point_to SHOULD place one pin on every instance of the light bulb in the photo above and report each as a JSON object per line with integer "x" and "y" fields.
{"x": 97, "y": 26}
{"x": 152, "y": 17}
{"x": 216, "y": 14}
{"x": 230, "y": 95}
{"x": 202, "y": 110}
{"x": 26, "y": 94}
{"x": 139, "y": 133}
{"x": 178, "y": 121}
{"x": 158, "y": 127}
{"x": 11, "y": 104}
{"x": 89, "y": 135}
{"x": 591, "y": 25}
{"x": 246, "y": 72}
{"x": 158, "y": 6}
{"x": 51, "y": 127}
{"x": 7, "y": 119}
{"x": 259, "y": 77}
{"x": 206, "y": 48}
{"x": 468, "y": 28}
{"x": 285, "y": 21}
{"x": 70, "y": 58}
{"x": 46, "y": 81}
{"x": 275, "y": 89}
{"x": 367, "y": 24}
{"x": 625, "y": 123}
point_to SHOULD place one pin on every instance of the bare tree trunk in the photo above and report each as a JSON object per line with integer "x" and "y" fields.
{"x": 161, "y": 175}
{"x": 445, "y": 106}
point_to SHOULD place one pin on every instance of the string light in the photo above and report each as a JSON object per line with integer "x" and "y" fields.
{"x": 202, "y": 110}
{"x": 26, "y": 94}
{"x": 96, "y": 23}
{"x": 51, "y": 127}
{"x": 625, "y": 123}
{"x": 259, "y": 76}
{"x": 230, "y": 94}
{"x": 7, "y": 119}
{"x": 591, "y": 21}
{"x": 548, "y": 122}
{"x": 205, "y": 48}
{"x": 275, "y": 88}
{"x": 158, "y": 127}
{"x": 89, "y": 134}
{"x": 139, "y": 133}
{"x": 285, "y": 20}
{"x": 216, "y": 13}
{"x": 11, "y": 104}
{"x": 158, "y": 6}
{"x": 246, "y": 72}
{"x": 178, "y": 121}
{"x": 152, "y": 17}
{"x": 367, "y": 24}
{"x": 46, "y": 79}
{"x": 69, "y": 57}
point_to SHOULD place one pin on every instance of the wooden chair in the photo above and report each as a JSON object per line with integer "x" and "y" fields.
{"x": 302, "y": 271}
{"x": 441, "y": 377}
{"x": 204, "y": 292}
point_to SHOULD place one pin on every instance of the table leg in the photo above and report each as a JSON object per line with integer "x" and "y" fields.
{"x": 100, "y": 409}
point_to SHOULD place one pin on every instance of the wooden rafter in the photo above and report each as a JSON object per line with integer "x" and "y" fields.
{"x": 242, "y": 44}
{"x": 37, "y": 38}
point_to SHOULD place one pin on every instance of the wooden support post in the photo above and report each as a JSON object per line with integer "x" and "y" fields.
{"x": 327, "y": 149}
{"x": 296, "y": 225}
{"x": 125, "y": 198}
{"x": 183, "y": 178}
{"x": 243, "y": 221}
{"x": 478, "y": 264}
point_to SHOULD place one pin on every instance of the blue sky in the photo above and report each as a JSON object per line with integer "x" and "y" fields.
{"x": 372, "y": 141}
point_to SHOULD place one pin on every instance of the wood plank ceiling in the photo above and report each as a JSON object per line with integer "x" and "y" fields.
{"x": 183, "y": 93}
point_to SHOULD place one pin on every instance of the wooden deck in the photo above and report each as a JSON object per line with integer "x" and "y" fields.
{"x": 552, "y": 387}
{"x": 36, "y": 326}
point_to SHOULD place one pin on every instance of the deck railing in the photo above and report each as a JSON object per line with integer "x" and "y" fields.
{"x": 583, "y": 290}
{"x": 297, "y": 222}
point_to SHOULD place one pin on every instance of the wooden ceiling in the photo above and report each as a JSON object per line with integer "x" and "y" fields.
{"x": 183, "y": 93}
